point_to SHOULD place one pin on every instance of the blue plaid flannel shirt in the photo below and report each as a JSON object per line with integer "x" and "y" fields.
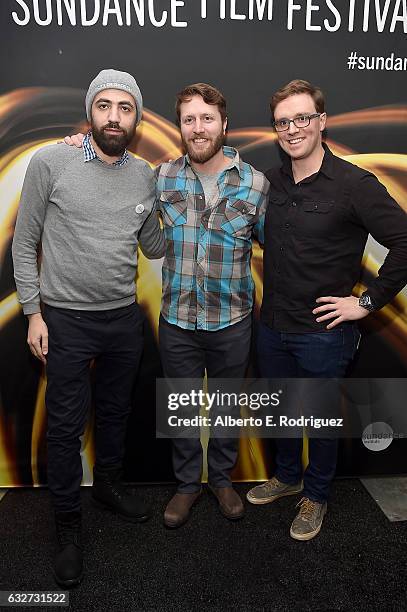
{"x": 207, "y": 281}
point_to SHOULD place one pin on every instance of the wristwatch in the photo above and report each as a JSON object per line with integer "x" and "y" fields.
{"x": 366, "y": 302}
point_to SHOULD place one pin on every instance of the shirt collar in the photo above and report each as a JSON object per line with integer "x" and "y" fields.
{"x": 89, "y": 152}
{"x": 230, "y": 152}
{"x": 327, "y": 166}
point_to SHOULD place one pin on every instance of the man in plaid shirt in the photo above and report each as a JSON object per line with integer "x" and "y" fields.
{"x": 212, "y": 204}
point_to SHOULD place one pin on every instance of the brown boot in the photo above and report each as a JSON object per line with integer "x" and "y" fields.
{"x": 178, "y": 509}
{"x": 230, "y": 504}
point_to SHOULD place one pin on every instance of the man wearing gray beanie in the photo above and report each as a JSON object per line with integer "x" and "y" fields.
{"x": 88, "y": 209}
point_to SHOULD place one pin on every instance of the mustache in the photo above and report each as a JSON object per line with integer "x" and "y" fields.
{"x": 112, "y": 125}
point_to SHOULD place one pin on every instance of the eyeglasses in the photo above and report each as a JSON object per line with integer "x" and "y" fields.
{"x": 300, "y": 122}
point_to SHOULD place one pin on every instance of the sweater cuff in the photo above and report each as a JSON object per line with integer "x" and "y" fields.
{"x": 31, "y": 308}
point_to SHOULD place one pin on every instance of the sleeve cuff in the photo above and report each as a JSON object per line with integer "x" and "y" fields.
{"x": 32, "y": 308}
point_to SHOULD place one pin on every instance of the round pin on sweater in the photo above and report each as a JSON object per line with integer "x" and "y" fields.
{"x": 139, "y": 209}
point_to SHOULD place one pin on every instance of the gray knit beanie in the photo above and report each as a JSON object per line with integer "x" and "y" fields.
{"x": 114, "y": 79}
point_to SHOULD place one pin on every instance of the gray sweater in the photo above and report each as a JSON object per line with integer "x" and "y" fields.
{"x": 88, "y": 219}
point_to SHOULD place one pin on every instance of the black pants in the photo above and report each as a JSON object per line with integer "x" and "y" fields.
{"x": 114, "y": 339}
{"x": 186, "y": 354}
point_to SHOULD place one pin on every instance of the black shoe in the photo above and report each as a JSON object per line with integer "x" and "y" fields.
{"x": 108, "y": 492}
{"x": 68, "y": 563}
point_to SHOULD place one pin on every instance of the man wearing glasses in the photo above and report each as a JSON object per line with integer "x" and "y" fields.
{"x": 320, "y": 213}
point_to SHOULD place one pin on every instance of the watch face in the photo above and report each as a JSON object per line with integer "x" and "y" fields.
{"x": 366, "y": 302}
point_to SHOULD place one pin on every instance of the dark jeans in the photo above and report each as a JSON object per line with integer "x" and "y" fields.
{"x": 186, "y": 354}
{"x": 114, "y": 339}
{"x": 307, "y": 355}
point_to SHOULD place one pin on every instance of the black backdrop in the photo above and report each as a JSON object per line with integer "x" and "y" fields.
{"x": 45, "y": 72}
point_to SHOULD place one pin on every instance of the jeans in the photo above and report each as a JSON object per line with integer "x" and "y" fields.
{"x": 307, "y": 355}
{"x": 186, "y": 354}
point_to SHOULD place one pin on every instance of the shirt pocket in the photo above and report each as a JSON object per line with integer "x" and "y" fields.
{"x": 174, "y": 206}
{"x": 239, "y": 218}
{"x": 279, "y": 199}
{"x": 317, "y": 218}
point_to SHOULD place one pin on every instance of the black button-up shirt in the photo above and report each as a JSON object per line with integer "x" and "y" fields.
{"x": 315, "y": 235}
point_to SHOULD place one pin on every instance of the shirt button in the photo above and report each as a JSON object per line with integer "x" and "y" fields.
{"x": 200, "y": 196}
{"x": 294, "y": 204}
{"x": 281, "y": 248}
{"x": 287, "y": 225}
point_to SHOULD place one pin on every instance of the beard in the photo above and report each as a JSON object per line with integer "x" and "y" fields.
{"x": 112, "y": 144}
{"x": 204, "y": 155}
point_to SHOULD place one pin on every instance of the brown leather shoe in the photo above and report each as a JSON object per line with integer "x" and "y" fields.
{"x": 230, "y": 504}
{"x": 179, "y": 508}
